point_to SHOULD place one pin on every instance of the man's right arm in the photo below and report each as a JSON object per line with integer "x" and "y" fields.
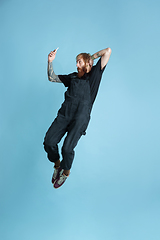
{"x": 52, "y": 77}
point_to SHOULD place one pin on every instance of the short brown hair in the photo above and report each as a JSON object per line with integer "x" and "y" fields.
{"x": 86, "y": 57}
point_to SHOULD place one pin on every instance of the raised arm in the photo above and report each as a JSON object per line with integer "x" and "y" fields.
{"x": 52, "y": 77}
{"x": 104, "y": 54}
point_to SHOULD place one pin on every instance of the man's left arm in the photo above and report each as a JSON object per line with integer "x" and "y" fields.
{"x": 104, "y": 54}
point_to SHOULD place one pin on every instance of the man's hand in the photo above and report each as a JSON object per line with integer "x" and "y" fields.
{"x": 52, "y": 55}
{"x": 91, "y": 62}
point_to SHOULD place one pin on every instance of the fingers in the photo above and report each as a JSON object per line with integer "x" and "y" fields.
{"x": 52, "y": 53}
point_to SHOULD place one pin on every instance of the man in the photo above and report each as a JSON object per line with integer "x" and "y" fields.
{"x": 74, "y": 115}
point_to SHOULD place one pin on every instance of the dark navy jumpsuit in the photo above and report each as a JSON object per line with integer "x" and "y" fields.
{"x": 73, "y": 117}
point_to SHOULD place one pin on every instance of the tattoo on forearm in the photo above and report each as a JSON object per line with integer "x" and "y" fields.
{"x": 52, "y": 77}
{"x": 98, "y": 55}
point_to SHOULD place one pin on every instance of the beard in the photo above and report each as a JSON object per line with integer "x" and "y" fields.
{"x": 81, "y": 71}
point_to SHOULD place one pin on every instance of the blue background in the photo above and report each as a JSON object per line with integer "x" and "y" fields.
{"x": 113, "y": 191}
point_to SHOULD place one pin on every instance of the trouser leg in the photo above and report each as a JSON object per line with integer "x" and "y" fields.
{"x": 76, "y": 130}
{"x": 53, "y": 137}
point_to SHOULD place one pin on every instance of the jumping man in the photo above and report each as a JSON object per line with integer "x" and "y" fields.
{"x": 74, "y": 115}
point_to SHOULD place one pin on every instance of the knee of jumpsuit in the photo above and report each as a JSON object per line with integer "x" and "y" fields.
{"x": 56, "y": 131}
{"x": 49, "y": 139}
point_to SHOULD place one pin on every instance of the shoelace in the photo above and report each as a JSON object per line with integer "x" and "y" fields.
{"x": 62, "y": 178}
{"x": 55, "y": 173}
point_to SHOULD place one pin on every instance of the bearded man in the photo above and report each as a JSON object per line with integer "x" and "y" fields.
{"x": 74, "y": 115}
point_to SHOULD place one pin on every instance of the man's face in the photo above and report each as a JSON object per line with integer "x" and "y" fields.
{"x": 80, "y": 64}
{"x": 82, "y": 68}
